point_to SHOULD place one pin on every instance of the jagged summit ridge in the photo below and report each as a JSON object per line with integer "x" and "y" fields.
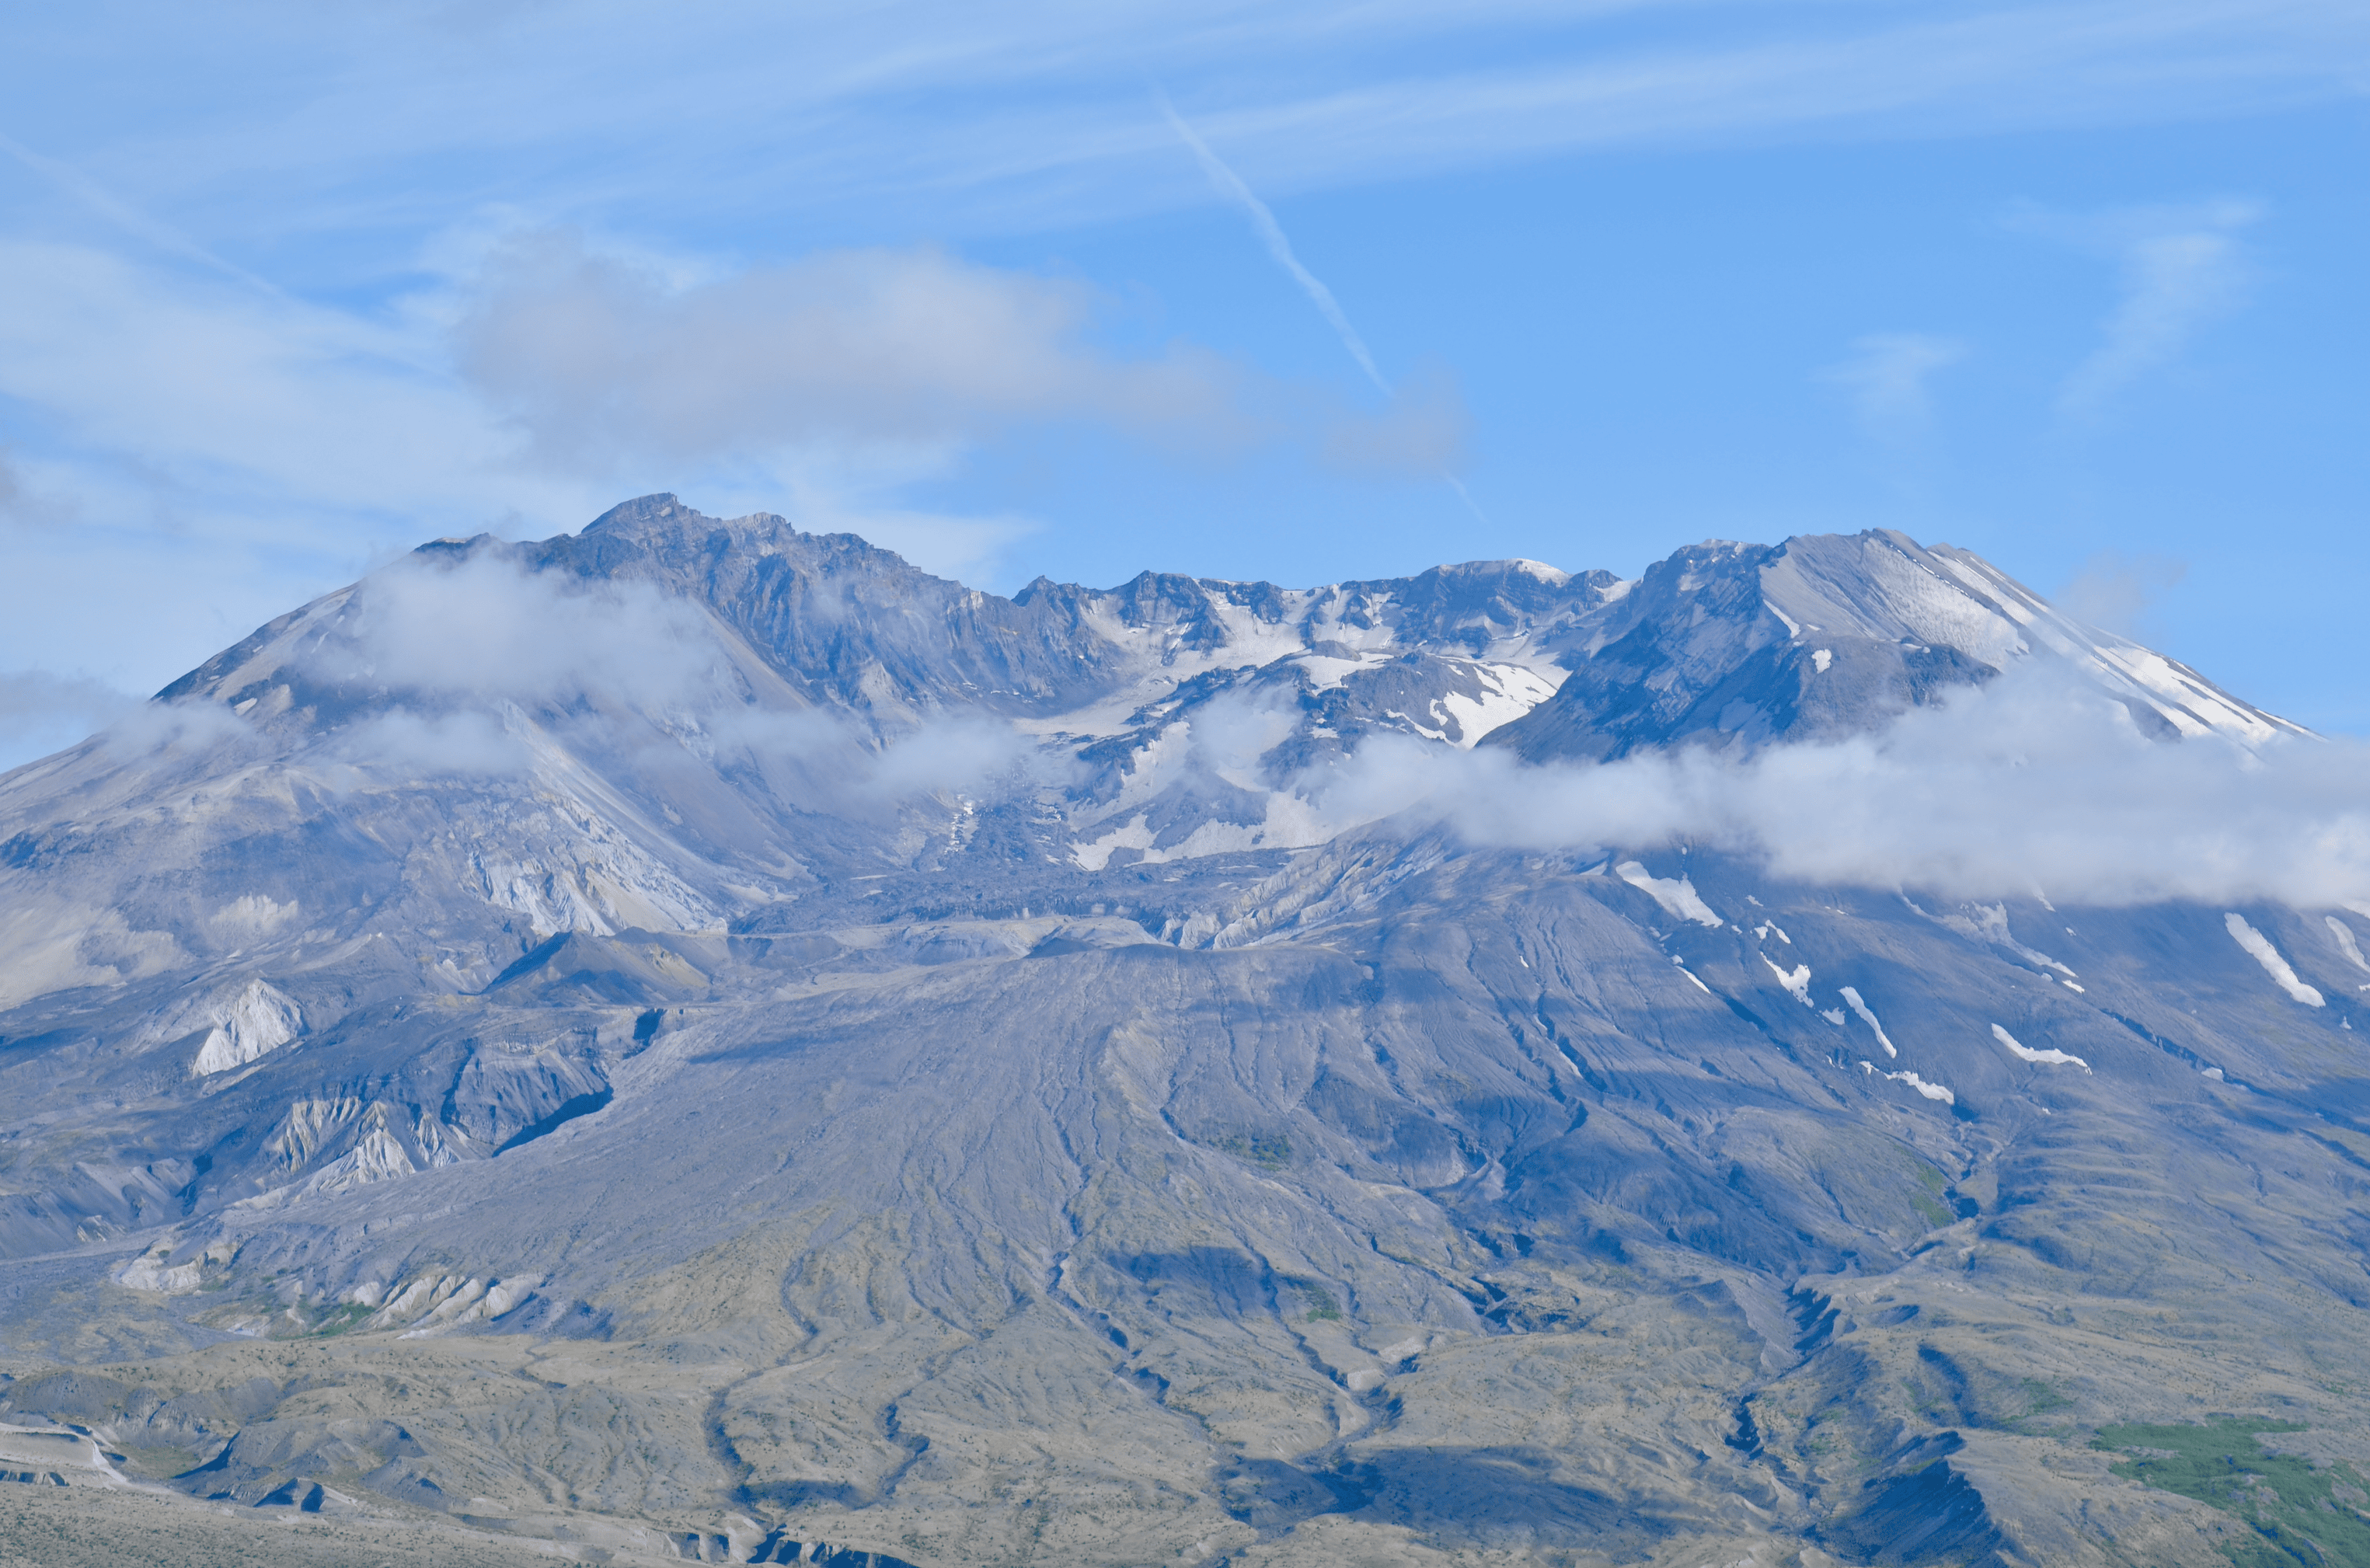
{"x": 668, "y": 721}
{"x": 858, "y": 627}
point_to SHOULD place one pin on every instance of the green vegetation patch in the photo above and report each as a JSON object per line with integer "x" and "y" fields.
{"x": 1269, "y": 1149}
{"x": 2040, "y": 1399}
{"x": 1927, "y": 1202}
{"x": 339, "y": 1319}
{"x": 2299, "y": 1513}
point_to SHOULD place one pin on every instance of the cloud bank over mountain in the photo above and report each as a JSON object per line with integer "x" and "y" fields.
{"x": 2032, "y": 783}
{"x": 2029, "y": 786}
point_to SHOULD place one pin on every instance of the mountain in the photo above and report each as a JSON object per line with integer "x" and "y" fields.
{"x": 699, "y": 1039}
{"x": 1727, "y": 643}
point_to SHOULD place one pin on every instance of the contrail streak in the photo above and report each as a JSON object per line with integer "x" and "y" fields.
{"x": 88, "y": 192}
{"x": 1272, "y": 233}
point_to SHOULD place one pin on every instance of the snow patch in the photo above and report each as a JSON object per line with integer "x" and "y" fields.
{"x": 1821, "y": 658}
{"x": 2260, "y": 947}
{"x": 1508, "y": 691}
{"x": 1930, "y": 1091}
{"x": 1852, "y": 1001}
{"x": 1798, "y": 983}
{"x": 2345, "y": 942}
{"x": 1134, "y": 834}
{"x": 1291, "y": 821}
{"x": 2052, "y": 1057}
{"x": 1675, "y": 894}
{"x": 1326, "y": 670}
{"x": 1989, "y": 922}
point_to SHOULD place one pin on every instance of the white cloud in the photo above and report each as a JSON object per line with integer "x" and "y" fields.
{"x": 1030, "y": 113}
{"x": 1931, "y": 68}
{"x": 2026, "y": 786}
{"x": 1420, "y": 434}
{"x": 28, "y": 500}
{"x": 207, "y": 386}
{"x": 478, "y": 666}
{"x": 214, "y": 451}
{"x": 2035, "y": 784}
{"x": 2115, "y": 591}
{"x": 42, "y": 712}
{"x": 597, "y": 359}
{"x": 484, "y": 631}
{"x": 2181, "y": 268}
{"x": 1888, "y": 377}
{"x": 832, "y": 381}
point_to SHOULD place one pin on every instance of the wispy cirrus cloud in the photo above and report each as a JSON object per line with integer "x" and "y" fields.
{"x": 225, "y": 346}
{"x": 1033, "y": 115}
{"x": 2179, "y": 267}
{"x": 1889, "y": 377}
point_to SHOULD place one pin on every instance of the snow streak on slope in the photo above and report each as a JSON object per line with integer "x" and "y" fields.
{"x": 1676, "y": 894}
{"x": 1929, "y": 1091}
{"x": 1885, "y": 586}
{"x": 2343, "y": 935}
{"x": 1852, "y": 1001}
{"x": 2176, "y": 694}
{"x": 2052, "y": 1057}
{"x": 2259, "y": 947}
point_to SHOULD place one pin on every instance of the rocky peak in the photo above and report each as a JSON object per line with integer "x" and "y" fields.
{"x": 1734, "y": 644}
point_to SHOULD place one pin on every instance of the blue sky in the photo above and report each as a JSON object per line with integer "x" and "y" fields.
{"x": 286, "y": 288}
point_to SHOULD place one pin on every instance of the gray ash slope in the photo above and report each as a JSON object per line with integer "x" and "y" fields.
{"x": 700, "y": 1028}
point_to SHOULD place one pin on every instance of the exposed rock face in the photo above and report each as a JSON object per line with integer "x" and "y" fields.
{"x": 1730, "y": 644}
{"x": 696, "y": 1037}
